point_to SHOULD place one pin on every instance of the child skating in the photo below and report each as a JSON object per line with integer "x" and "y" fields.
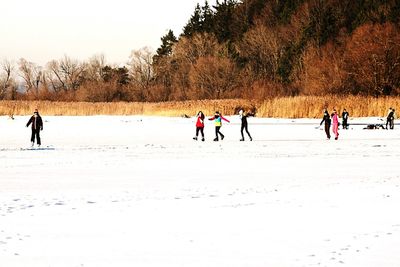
{"x": 244, "y": 126}
{"x": 335, "y": 124}
{"x": 218, "y": 124}
{"x": 200, "y": 126}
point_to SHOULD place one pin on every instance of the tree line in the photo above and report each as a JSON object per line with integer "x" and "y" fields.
{"x": 239, "y": 49}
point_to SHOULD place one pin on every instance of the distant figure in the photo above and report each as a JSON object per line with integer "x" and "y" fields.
{"x": 218, "y": 124}
{"x": 335, "y": 124}
{"x": 244, "y": 126}
{"x": 327, "y": 119}
{"x": 200, "y": 126}
{"x": 390, "y": 119}
{"x": 37, "y": 126}
{"x": 345, "y": 117}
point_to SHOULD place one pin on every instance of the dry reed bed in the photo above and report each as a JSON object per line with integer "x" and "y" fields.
{"x": 283, "y": 107}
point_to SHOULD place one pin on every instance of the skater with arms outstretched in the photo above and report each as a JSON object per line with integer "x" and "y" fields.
{"x": 218, "y": 124}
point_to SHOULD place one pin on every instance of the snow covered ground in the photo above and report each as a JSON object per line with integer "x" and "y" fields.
{"x": 138, "y": 191}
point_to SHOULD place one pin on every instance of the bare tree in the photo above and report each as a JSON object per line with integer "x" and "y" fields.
{"x": 31, "y": 74}
{"x": 6, "y": 79}
{"x": 263, "y": 47}
{"x": 94, "y": 68}
{"x": 141, "y": 68}
{"x": 65, "y": 74}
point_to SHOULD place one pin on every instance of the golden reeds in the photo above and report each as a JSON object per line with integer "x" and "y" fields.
{"x": 282, "y": 107}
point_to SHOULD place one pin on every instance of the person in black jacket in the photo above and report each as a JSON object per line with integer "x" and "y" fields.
{"x": 37, "y": 126}
{"x": 345, "y": 117}
{"x": 390, "y": 119}
{"x": 327, "y": 120}
{"x": 244, "y": 126}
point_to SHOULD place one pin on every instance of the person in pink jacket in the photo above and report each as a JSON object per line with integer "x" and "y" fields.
{"x": 335, "y": 124}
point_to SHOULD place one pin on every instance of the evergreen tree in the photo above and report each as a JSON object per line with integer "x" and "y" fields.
{"x": 195, "y": 22}
{"x": 207, "y": 18}
{"x": 167, "y": 42}
{"x": 223, "y": 20}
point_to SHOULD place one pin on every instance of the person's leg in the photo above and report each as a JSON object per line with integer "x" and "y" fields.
{"x": 241, "y": 131}
{"x": 202, "y": 132}
{"x": 247, "y": 131}
{"x": 221, "y": 134}
{"x": 327, "y": 130}
{"x": 197, "y": 133}
{"x": 38, "y": 137}
{"x": 216, "y": 133}
{"x": 33, "y": 136}
{"x": 336, "y": 130}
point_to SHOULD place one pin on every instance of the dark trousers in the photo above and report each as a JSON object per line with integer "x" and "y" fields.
{"x": 244, "y": 127}
{"x": 201, "y": 130}
{"x": 344, "y": 124}
{"x": 36, "y": 133}
{"x": 327, "y": 130}
{"x": 217, "y": 128}
{"x": 389, "y": 123}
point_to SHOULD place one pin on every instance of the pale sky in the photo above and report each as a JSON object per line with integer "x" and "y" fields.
{"x": 42, "y": 30}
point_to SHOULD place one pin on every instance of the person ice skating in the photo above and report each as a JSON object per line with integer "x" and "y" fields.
{"x": 37, "y": 126}
{"x": 244, "y": 126}
{"x": 390, "y": 119}
{"x": 335, "y": 124}
{"x": 345, "y": 117}
{"x": 218, "y": 124}
{"x": 200, "y": 126}
{"x": 327, "y": 119}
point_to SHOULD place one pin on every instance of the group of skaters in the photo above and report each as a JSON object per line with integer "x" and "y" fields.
{"x": 333, "y": 120}
{"x": 36, "y": 123}
{"x": 218, "y": 118}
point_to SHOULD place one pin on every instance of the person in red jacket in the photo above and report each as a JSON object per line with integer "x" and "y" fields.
{"x": 37, "y": 126}
{"x": 218, "y": 124}
{"x": 200, "y": 126}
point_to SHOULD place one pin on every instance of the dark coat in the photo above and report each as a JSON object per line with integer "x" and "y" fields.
{"x": 245, "y": 116}
{"x": 37, "y": 123}
{"x": 326, "y": 119}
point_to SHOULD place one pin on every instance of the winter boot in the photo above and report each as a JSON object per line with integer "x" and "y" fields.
{"x": 215, "y": 139}
{"x": 195, "y": 138}
{"x": 241, "y": 139}
{"x": 222, "y": 137}
{"x": 202, "y": 139}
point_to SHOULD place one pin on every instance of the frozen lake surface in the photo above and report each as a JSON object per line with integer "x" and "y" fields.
{"x": 138, "y": 191}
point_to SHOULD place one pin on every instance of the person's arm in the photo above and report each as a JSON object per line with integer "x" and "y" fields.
{"x": 211, "y": 119}
{"x": 29, "y": 122}
{"x": 225, "y": 119}
{"x": 323, "y": 119}
{"x": 41, "y": 123}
